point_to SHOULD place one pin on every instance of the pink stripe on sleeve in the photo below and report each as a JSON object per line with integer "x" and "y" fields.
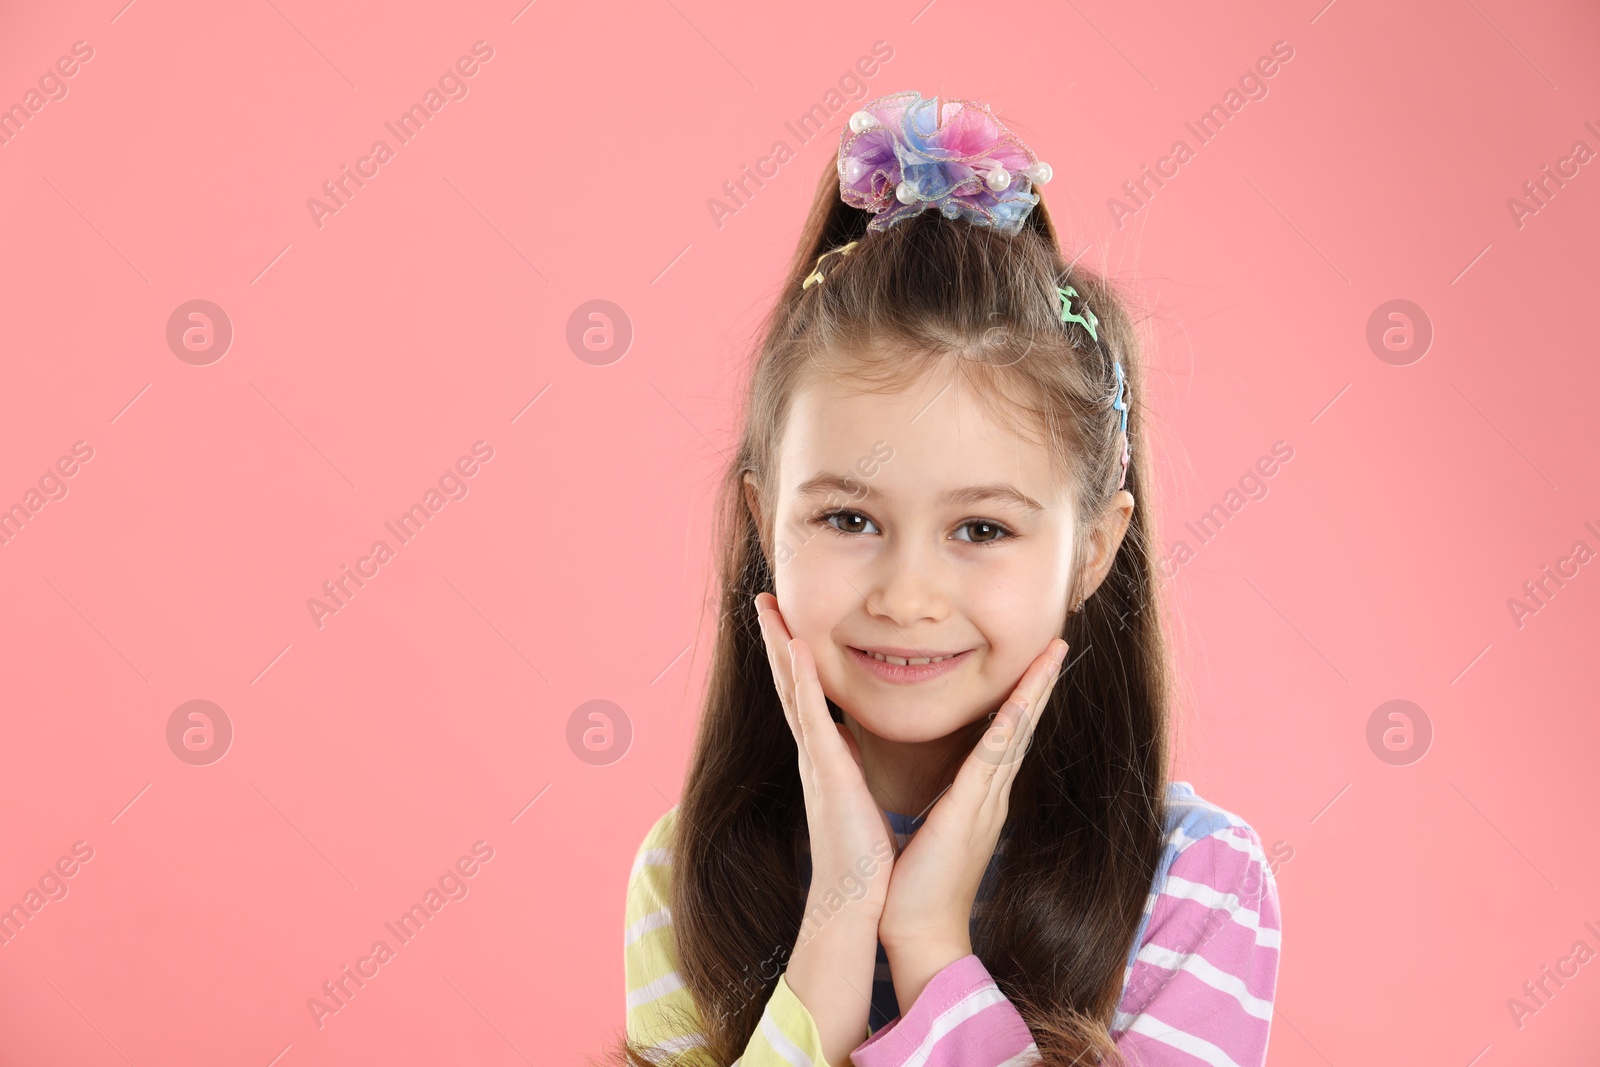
{"x": 1202, "y": 985}
{"x": 1199, "y": 993}
{"x": 961, "y": 1019}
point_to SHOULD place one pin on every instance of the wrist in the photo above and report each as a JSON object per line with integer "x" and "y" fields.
{"x": 851, "y": 918}
{"x": 899, "y": 930}
{"x": 925, "y": 949}
{"x": 914, "y": 962}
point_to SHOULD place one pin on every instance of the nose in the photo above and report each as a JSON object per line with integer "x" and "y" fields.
{"x": 908, "y": 585}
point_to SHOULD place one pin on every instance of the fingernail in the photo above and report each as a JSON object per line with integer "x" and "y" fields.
{"x": 1060, "y": 654}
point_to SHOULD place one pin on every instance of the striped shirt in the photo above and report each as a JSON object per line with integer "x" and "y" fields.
{"x": 1197, "y": 985}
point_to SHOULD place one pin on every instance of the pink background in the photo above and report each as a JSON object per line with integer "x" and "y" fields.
{"x": 428, "y": 714}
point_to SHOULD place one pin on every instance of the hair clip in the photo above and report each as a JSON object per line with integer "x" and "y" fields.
{"x": 902, "y": 154}
{"x": 816, "y": 271}
{"x": 1087, "y": 319}
{"x": 1119, "y": 402}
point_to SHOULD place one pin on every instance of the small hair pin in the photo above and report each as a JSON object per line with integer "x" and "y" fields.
{"x": 1087, "y": 320}
{"x": 1119, "y": 402}
{"x": 816, "y": 274}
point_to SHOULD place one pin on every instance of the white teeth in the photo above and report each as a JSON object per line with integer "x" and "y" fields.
{"x": 899, "y": 662}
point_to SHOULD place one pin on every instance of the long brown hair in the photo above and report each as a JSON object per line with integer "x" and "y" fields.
{"x": 1086, "y": 808}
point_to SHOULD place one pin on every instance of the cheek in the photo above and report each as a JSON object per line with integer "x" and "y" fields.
{"x": 815, "y": 595}
{"x": 812, "y": 587}
{"x": 1030, "y": 580}
{"x": 1019, "y": 602}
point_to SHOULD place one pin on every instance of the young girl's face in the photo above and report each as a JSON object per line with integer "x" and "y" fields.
{"x": 959, "y": 545}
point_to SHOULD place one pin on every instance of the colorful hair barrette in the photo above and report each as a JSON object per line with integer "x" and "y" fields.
{"x": 1087, "y": 319}
{"x": 1119, "y": 402}
{"x": 902, "y": 154}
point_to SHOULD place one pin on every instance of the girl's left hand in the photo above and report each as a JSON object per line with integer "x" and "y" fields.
{"x": 925, "y": 925}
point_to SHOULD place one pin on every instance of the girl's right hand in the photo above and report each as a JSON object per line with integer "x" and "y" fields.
{"x": 852, "y": 841}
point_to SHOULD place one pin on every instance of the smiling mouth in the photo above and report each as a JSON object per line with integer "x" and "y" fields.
{"x": 908, "y": 670}
{"x": 903, "y": 661}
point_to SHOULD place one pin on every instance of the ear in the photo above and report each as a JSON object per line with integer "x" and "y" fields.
{"x": 1105, "y": 538}
{"x": 752, "y": 498}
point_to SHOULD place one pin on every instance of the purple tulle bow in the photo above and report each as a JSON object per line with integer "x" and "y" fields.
{"x": 902, "y": 154}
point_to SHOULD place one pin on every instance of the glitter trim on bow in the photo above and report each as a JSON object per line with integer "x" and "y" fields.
{"x": 902, "y": 154}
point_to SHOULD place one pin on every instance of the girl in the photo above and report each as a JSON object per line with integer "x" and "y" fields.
{"x": 893, "y": 847}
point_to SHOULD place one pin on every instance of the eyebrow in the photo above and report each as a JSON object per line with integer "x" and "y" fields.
{"x": 855, "y": 488}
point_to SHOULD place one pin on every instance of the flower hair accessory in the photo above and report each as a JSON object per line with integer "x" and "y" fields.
{"x": 902, "y": 155}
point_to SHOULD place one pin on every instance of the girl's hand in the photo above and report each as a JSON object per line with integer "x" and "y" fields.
{"x": 926, "y": 918}
{"x": 852, "y": 841}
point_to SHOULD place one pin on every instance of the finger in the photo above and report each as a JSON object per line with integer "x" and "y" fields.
{"x": 768, "y": 641}
{"x": 1056, "y": 652}
{"x": 1013, "y": 724}
{"x": 1022, "y": 719}
{"x": 1047, "y": 671}
{"x": 822, "y": 741}
{"x": 775, "y": 635}
{"x": 980, "y": 774}
{"x": 1032, "y": 694}
{"x": 984, "y": 779}
{"x": 849, "y": 740}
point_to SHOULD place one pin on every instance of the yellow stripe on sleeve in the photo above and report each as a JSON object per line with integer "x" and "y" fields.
{"x": 661, "y": 1011}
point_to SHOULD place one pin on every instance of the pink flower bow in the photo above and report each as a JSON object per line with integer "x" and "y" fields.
{"x": 902, "y": 154}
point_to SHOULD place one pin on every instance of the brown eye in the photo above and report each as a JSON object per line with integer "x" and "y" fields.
{"x": 984, "y": 532}
{"x": 850, "y": 518}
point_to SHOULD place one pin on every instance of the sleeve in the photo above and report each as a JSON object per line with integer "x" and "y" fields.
{"x": 960, "y": 1019}
{"x": 1199, "y": 994}
{"x": 1200, "y": 991}
{"x": 661, "y": 1016}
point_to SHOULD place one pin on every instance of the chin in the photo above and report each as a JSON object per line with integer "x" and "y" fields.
{"x": 906, "y": 720}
